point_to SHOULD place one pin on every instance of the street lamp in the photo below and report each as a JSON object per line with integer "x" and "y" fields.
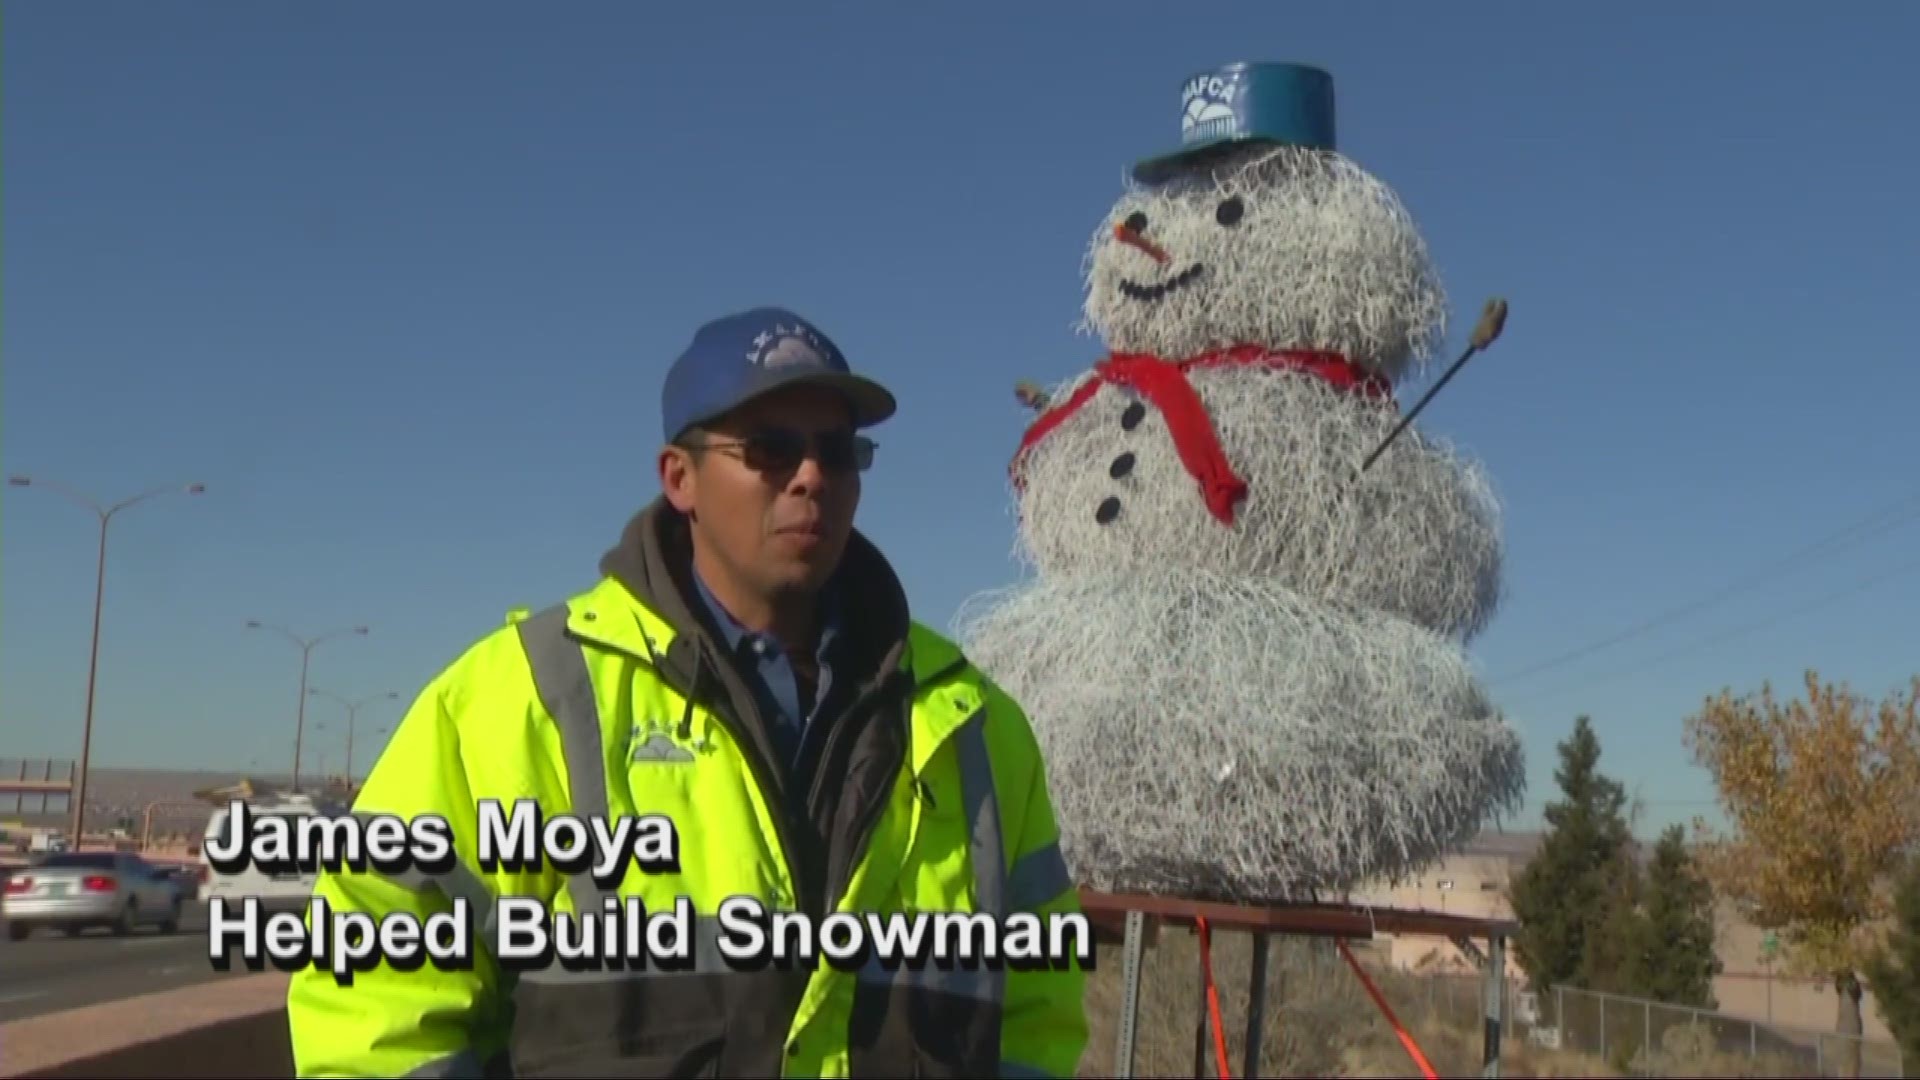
{"x": 105, "y": 514}
{"x": 306, "y": 655}
{"x": 353, "y": 710}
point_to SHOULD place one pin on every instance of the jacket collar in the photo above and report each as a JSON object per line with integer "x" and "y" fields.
{"x": 647, "y": 606}
{"x": 831, "y": 618}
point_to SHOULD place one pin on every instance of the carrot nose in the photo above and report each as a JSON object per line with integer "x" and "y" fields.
{"x": 1128, "y": 236}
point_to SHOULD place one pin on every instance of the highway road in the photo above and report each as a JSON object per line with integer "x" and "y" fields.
{"x": 50, "y": 971}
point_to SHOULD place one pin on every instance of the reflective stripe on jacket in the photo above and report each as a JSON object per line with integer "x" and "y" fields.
{"x": 587, "y": 708}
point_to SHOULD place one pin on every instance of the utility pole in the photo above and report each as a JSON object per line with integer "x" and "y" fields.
{"x": 353, "y": 711}
{"x": 306, "y": 646}
{"x": 105, "y": 514}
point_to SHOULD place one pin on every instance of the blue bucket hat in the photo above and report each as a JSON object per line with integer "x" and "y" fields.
{"x": 739, "y": 357}
{"x": 1247, "y": 102}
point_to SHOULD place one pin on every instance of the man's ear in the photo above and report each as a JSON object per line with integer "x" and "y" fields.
{"x": 678, "y": 477}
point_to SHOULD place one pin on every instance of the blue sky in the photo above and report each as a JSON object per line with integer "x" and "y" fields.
{"x": 398, "y": 284}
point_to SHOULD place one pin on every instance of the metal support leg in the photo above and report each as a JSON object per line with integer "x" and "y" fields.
{"x": 1256, "y": 1007}
{"x": 1496, "y": 1004}
{"x": 1200, "y": 1024}
{"x": 1135, "y": 947}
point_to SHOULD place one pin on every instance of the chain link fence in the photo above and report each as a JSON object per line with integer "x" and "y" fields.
{"x": 1639, "y": 1037}
{"x": 1646, "y": 1038}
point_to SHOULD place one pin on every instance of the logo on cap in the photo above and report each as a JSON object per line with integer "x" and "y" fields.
{"x": 1206, "y": 107}
{"x": 787, "y": 346}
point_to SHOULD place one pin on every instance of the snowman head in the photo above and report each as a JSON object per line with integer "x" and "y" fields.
{"x": 1259, "y": 232}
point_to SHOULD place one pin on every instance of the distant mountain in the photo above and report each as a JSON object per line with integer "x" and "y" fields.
{"x": 1518, "y": 846}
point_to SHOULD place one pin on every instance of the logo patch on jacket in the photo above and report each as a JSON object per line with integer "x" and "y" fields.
{"x": 657, "y": 747}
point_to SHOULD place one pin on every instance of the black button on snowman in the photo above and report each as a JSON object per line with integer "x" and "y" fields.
{"x": 1109, "y": 507}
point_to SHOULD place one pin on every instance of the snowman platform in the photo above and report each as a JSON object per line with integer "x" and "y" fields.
{"x": 1134, "y": 920}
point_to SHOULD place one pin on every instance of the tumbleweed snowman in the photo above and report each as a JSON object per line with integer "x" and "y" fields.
{"x": 1243, "y": 646}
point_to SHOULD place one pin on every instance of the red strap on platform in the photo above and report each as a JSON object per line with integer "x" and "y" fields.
{"x": 1213, "y": 999}
{"x": 1379, "y": 1000}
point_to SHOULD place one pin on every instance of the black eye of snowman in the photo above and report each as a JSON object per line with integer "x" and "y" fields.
{"x": 1230, "y": 211}
{"x": 1133, "y": 233}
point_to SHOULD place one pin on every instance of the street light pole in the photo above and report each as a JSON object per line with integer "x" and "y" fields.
{"x": 306, "y": 656}
{"x": 105, "y": 514}
{"x": 353, "y": 711}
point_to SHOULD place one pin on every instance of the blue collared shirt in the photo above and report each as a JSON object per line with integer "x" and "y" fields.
{"x": 771, "y": 675}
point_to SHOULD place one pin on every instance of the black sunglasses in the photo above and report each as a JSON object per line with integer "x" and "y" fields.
{"x": 783, "y": 449}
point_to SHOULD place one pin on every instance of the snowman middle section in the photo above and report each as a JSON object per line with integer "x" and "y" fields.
{"x": 1107, "y": 484}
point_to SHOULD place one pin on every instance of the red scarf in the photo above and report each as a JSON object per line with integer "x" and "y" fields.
{"x": 1164, "y": 383}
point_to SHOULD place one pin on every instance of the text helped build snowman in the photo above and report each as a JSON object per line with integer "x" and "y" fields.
{"x": 1243, "y": 653}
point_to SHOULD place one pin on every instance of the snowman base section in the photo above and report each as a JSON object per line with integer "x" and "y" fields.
{"x": 1224, "y": 739}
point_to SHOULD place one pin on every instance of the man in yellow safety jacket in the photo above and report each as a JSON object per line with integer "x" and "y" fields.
{"x": 746, "y": 666}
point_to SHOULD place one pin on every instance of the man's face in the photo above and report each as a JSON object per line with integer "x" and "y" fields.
{"x": 779, "y": 527}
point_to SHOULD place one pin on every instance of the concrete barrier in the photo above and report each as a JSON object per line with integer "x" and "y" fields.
{"x": 235, "y": 1027}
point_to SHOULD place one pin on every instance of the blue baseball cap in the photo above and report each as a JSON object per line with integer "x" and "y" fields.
{"x": 1247, "y": 101}
{"x": 739, "y": 357}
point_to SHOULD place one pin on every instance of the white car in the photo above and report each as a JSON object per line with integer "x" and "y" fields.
{"x": 279, "y": 890}
{"x": 73, "y": 890}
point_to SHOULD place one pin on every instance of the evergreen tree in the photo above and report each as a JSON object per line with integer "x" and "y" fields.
{"x": 1894, "y": 973}
{"x": 1567, "y": 891}
{"x": 1679, "y": 964}
{"x": 1615, "y": 956}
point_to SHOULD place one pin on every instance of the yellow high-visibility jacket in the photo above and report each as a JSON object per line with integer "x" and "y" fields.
{"x": 931, "y": 797}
